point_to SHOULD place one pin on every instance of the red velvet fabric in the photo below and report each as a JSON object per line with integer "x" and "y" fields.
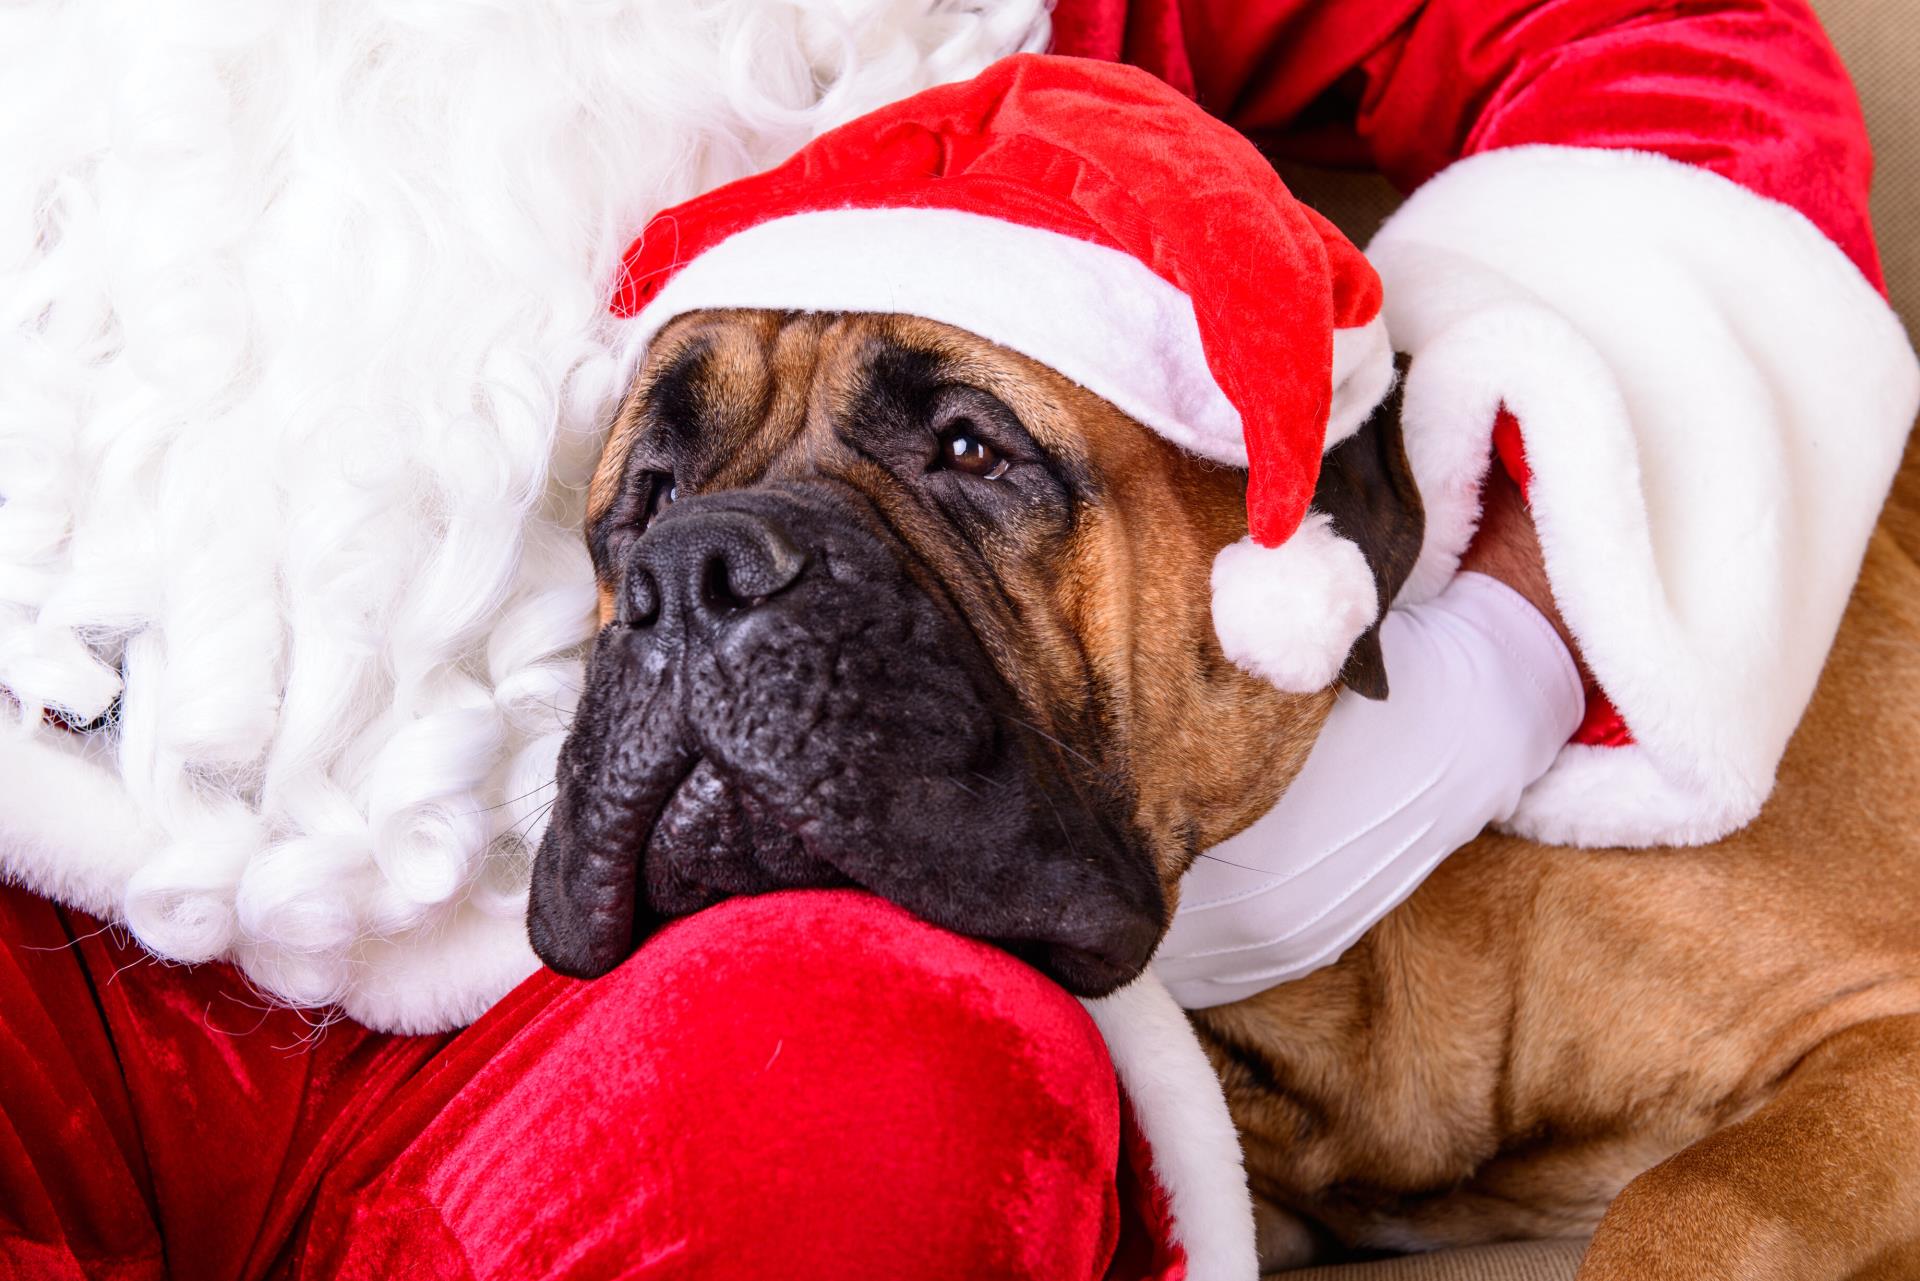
{"x": 808, "y": 1084}
{"x": 1749, "y": 89}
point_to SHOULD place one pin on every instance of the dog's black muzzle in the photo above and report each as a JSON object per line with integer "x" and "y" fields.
{"x": 778, "y": 704}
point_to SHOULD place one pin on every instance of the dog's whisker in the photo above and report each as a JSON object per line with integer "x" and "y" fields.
{"x": 1245, "y": 867}
{"x": 512, "y": 800}
{"x": 1082, "y": 757}
{"x": 531, "y": 819}
{"x": 1062, "y": 823}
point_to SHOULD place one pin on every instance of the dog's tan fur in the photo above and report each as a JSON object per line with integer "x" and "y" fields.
{"x": 1712, "y": 1054}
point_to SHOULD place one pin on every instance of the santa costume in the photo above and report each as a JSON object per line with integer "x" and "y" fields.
{"x": 1635, "y": 267}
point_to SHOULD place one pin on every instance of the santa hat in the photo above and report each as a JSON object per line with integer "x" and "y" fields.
{"x": 1090, "y": 217}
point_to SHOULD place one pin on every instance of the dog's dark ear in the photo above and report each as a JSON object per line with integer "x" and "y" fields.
{"x": 1367, "y": 489}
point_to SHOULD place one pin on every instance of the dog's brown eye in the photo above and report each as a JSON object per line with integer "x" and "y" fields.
{"x": 662, "y": 495}
{"x": 964, "y": 451}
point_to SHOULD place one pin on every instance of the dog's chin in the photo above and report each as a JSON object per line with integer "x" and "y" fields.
{"x": 1031, "y": 870}
{"x": 715, "y": 840}
{"x": 713, "y": 834}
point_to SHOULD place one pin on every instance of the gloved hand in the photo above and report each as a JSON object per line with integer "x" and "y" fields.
{"x": 1486, "y": 690}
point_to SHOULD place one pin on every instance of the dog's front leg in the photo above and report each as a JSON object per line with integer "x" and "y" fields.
{"x": 1822, "y": 1182}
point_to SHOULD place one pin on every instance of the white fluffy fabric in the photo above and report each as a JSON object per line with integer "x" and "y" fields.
{"x": 1714, "y": 402}
{"x": 1182, "y": 1111}
{"x": 1099, "y": 316}
{"x": 303, "y": 364}
{"x": 1362, "y": 377}
{"x": 1290, "y": 614}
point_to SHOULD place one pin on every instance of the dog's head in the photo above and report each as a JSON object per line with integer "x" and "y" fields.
{"x": 885, "y": 605}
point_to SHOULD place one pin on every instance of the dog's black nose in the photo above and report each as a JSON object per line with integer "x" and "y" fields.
{"x": 704, "y": 566}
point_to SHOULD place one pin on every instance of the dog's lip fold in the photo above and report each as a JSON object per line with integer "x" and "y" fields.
{"x": 584, "y": 940}
{"x": 562, "y": 943}
{"x": 1090, "y": 942}
{"x": 590, "y": 906}
{"x": 1092, "y": 974}
{"x": 1090, "y": 931}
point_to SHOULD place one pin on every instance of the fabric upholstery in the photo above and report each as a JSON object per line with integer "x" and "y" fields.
{"x": 1512, "y": 1261}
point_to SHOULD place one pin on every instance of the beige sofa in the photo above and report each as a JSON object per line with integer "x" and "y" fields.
{"x": 1880, "y": 40}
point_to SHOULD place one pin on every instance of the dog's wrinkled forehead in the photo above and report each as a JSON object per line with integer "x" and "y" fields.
{"x": 728, "y": 399}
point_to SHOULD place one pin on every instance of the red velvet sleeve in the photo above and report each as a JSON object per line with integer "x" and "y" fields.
{"x": 1749, "y": 89}
{"x": 1266, "y": 67}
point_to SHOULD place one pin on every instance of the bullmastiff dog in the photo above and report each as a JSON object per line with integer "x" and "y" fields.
{"x": 885, "y": 605}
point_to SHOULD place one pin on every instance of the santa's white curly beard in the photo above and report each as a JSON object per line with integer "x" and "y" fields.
{"x": 303, "y": 362}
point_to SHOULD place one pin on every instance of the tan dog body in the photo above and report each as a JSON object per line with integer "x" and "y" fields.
{"x": 1712, "y": 1055}
{"x": 1536, "y": 1027}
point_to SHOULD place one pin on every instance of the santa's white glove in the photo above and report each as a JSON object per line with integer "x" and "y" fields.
{"x": 1484, "y": 696}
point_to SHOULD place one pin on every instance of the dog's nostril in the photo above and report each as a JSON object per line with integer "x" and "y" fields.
{"x": 716, "y": 588}
{"x": 640, "y": 603}
{"x": 748, "y": 566}
{"x": 712, "y": 564}
{"x": 719, "y": 593}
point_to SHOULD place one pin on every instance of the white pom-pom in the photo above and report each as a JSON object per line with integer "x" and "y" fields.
{"x": 1290, "y": 614}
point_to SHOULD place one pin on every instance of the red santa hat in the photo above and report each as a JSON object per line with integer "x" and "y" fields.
{"x": 1090, "y": 217}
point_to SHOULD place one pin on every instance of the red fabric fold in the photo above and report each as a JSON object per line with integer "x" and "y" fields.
{"x": 809, "y": 1084}
{"x": 1749, "y": 89}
